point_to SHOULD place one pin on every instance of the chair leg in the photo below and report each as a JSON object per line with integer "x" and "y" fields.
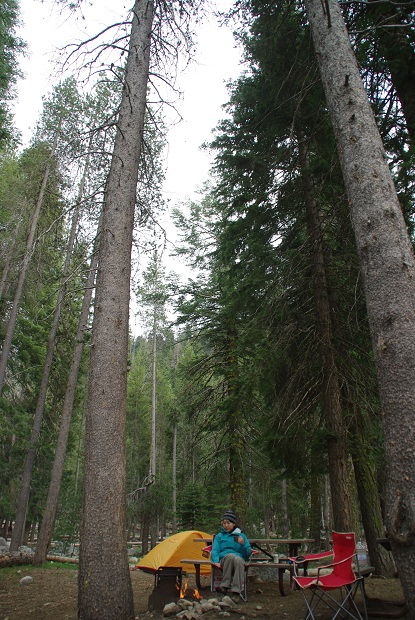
{"x": 215, "y": 573}
{"x": 362, "y": 589}
{"x": 345, "y": 608}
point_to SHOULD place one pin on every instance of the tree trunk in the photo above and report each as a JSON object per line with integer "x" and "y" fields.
{"x": 398, "y": 50}
{"x": 152, "y": 475}
{"x": 326, "y": 518}
{"x": 285, "y": 521}
{"x": 41, "y": 399}
{"x": 337, "y": 441}
{"x": 145, "y": 532}
{"x": 8, "y": 259}
{"x": 49, "y": 515}
{"x": 370, "y": 509}
{"x": 22, "y": 276}
{"x": 105, "y": 590}
{"x": 315, "y": 511}
{"x": 234, "y": 427}
{"x": 388, "y": 270}
{"x": 174, "y": 479}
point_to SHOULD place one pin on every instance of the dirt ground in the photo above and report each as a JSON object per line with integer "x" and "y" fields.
{"x": 53, "y": 594}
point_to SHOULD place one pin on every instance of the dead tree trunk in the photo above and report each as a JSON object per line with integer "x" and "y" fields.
{"x": 48, "y": 521}
{"x": 40, "y": 405}
{"x": 25, "y": 264}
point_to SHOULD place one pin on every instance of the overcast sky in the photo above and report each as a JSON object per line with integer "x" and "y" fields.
{"x": 203, "y": 82}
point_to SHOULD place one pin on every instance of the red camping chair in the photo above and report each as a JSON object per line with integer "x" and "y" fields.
{"x": 342, "y": 579}
{"x": 216, "y": 573}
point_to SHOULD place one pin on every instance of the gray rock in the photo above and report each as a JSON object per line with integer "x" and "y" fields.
{"x": 26, "y": 550}
{"x": 25, "y": 581}
{"x": 184, "y": 603}
{"x": 198, "y": 609}
{"x": 170, "y": 609}
{"x": 228, "y": 601}
{"x": 3, "y": 542}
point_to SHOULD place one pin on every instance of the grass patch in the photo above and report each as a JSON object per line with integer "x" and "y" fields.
{"x": 18, "y": 569}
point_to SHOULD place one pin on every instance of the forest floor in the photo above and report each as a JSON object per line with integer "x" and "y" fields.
{"x": 53, "y": 594}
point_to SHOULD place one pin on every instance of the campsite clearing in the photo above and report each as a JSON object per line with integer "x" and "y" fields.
{"x": 53, "y": 594}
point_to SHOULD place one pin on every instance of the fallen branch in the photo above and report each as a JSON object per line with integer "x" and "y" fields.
{"x": 17, "y": 559}
{"x": 59, "y": 558}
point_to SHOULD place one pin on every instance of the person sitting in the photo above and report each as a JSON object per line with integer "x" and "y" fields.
{"x": 230, "y": 551}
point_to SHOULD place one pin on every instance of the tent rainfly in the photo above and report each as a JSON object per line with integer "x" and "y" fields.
{"x": 171, "y": 550}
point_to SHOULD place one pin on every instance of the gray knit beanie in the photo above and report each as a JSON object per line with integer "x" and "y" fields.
{"x": 229, "y": 516}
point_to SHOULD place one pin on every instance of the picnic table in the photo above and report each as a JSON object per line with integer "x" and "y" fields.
{"x": 281, "y": 566}
{"x": 293, "y": 543}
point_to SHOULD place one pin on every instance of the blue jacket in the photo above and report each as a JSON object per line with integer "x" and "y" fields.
{"x": 223, "y": 543}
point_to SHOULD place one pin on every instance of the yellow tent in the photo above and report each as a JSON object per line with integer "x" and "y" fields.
{"x": 175, "y": 548}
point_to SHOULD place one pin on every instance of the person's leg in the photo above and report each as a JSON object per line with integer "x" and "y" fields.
{"x": 238, "y": 575}
{"x": 227, "y": 564}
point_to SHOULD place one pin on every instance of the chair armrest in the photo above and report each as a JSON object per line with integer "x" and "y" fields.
{"x": 309, "y": 557}
{"x": 334, "y": 564}
{"x": 206, "y": 551}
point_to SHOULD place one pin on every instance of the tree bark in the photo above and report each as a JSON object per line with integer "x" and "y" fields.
{"x": 333, "y": 413}
{"x": 326, "y": 514}
{"x": 315, "y": 511}
{"x": 41, "y": 399}
{"x": 285, "y": 520}
{"x": 18, "y": 559}
{"x": 174, "y": 479}
{"x": 145, "y": 532}
{"x": 49, "y": 515}
{"x": 398, "y": 50}
{"x": 234, "y": 425}
{"x": 23, "y": 270}
{"x": 370, "y": 508}
{"x": 105, "y": 590}
{"x": 152, "y": 474}
{"x": 8, "y": 259}
{"x": 388, "y": 270}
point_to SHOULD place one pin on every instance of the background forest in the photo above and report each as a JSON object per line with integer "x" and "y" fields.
{"x": 253, "y": 383}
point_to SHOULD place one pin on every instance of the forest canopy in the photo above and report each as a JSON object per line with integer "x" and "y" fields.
{"x": 277, "y": 378}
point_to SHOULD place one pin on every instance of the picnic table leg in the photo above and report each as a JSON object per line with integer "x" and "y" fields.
{"x": 281, "y": 571}
{"x": 197, "y": 569}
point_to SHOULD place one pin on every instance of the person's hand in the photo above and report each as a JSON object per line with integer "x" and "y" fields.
{"x": 240, "y": 540}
